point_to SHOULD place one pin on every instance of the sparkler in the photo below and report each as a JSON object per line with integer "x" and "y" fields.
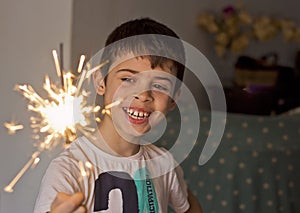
{"x": 85, "y": 168}
{"x": 58, "y": 116}
{"x": 107, "y": 108}
{"x": 12, "y": 127}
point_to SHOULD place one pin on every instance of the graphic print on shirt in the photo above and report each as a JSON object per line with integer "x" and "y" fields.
{"x": 138, "y": 194}
{"x": 146, "y": 192}
{"x": 108, "y": 181}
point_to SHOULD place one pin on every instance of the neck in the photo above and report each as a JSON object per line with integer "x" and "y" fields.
{"x": 115, "y": 141}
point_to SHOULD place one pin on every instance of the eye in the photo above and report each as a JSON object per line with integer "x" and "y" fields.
{"x": 160, "y": 87}
{"x": 128, "y": 80}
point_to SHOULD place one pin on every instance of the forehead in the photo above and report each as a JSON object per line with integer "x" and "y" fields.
{"x": 142, "y": 63}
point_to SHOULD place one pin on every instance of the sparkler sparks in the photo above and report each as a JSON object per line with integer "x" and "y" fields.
{"x": 58, "y": 116}
{"x": 9, "y": 187}
{"x": 12, "y": 127}
{"x": 85, "y": 168}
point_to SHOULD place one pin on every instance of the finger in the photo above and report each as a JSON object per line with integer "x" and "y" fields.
{"x": 60, "y": 197}
{"x": 70, "y": 205}
{"x": 80, "y": 209}
{"x": 65, "y": 203}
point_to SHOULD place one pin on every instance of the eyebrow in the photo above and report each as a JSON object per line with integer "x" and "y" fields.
{"x": 136, "y": 72}
{"x": 128, "y": 70}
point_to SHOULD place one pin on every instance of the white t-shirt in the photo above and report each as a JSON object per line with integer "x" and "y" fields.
{"x": 148, "y": 181}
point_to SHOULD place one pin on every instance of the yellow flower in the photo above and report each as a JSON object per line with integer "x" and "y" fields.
{"x": 220, "y": 50}
{"x": 245, "y": 17}
{"x": 297, "y": 35}
{"x": 231, "y": 21}
{"x": 233, "y": 29}
{"x": 222, "y": 38}
{"x": 264, "y": 28}
{"x": 285, "y": 24}
{"x": 208, "y": 22}
{"x": 239, "y": 44}
{"x": 288, "y": 34}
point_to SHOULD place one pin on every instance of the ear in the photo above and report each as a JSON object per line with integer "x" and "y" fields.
{"x": 99, "y": 83}
{"x": 174, "y": 99}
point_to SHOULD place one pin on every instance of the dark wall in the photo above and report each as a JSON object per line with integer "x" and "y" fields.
{"x": 93, "y": 20}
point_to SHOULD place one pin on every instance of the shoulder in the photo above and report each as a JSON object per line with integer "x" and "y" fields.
{"x": 64, "y": 170}
{"x": 159, "y": 160}
{"x": 62, "y": 175}
{"x": 68, "y": 159}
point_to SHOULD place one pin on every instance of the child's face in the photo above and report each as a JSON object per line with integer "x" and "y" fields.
{"x": 145, "y": 93}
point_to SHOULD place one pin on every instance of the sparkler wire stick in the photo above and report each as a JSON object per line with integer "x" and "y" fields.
{"x": 86, "y": 74}
{"x": 82, "y": 77}
{"x": 9, "y": 187}
{"x": 61, "y": 55}
{"x": 57, "y": 67}
{"x": 115, "y": 103}
{"x": 89, "y": 72}
{"x": 80, "y": 65}
{"x": 59, "y": 71}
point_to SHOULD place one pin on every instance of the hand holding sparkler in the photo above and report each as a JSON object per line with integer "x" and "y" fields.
{"x": 65, "y": 203}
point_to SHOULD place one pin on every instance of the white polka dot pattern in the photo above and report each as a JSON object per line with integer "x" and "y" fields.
{"x": 256, "y": 168}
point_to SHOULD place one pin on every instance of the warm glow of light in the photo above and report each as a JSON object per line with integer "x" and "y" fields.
{"x": 115, "y": 103}
{"x": 80, "y": 65}
{"x": 88, "y": 165}
{"x": 55, "y": 56}
{"x": 12, "y": 127}
{"x": 35, "y": 162}
{"x": 91, "y": 71}
{"x": 82, "y": 169}
{"x": 61, "y": 112}
{"x": 9, "y": 187}
{"x": 58, "y": 116}
{"x": 85, "y": 169}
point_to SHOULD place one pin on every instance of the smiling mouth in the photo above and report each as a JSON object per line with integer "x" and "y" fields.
{"x": 136, "y": 114}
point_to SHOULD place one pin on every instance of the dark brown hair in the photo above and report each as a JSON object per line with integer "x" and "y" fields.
{"x": 156, "y": 40}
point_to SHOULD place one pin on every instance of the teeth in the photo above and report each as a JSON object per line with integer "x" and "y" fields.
{"x": 136, "y": 114}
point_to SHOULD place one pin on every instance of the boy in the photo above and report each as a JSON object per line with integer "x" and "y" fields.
{"x": 127, "y": 175}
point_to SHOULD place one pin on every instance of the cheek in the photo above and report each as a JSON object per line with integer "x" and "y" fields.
{"x": 163, "y": 103}
{"x": 112, "y": 90}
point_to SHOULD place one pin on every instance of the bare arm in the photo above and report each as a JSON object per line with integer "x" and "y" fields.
{"x": 195, "y": 206}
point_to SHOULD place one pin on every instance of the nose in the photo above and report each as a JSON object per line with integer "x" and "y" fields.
{"x": 145, "y": 96}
